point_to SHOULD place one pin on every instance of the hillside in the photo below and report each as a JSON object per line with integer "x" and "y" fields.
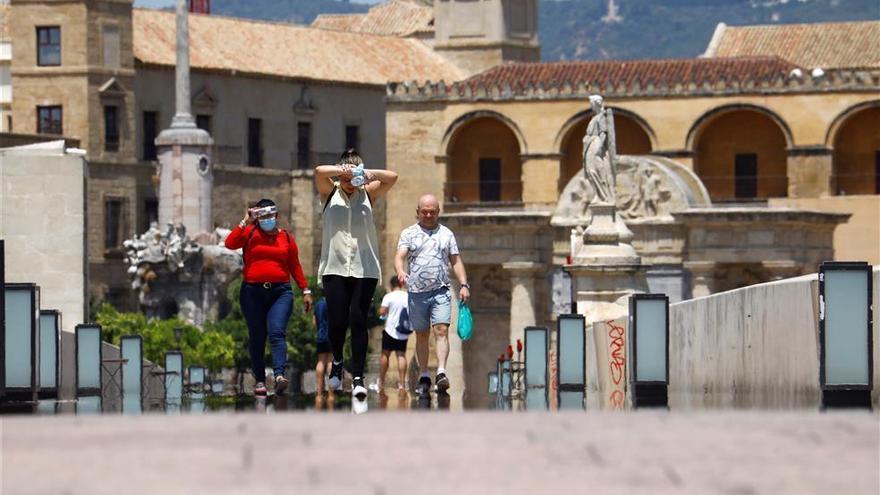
{"x": 575, "y": 29}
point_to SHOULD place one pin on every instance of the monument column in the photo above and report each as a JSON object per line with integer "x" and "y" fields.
{"x": 702, "y": 277}
{"x": 186, "y": 178}
{"x": 522, "y": 297}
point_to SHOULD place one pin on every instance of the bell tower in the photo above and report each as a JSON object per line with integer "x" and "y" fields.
{"x": 480, "y": 34}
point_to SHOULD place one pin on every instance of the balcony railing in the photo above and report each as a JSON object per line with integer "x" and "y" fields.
{"x": 857, "y": 183}
{"x": 483, "y": 193}
{"x": 745, "y": 187}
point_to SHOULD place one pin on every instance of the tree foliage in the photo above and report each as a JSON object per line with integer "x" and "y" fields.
{"x": 210, "y": 348}
{"x": 223, "y": 343}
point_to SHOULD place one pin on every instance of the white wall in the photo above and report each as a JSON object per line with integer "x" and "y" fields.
{"x": 752, "y": 347}
{"x": 43, "y": 224}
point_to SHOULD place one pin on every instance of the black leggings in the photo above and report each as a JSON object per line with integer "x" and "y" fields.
{"x": 348, "y": 303}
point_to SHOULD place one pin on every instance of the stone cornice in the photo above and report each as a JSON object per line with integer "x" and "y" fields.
{"x": 726, "y": 217}
{"x": 808, "y": 151}
{"x": 845, "y": 80}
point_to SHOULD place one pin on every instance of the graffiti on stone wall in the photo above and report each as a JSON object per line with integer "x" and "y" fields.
{"x": 616, "y": 364}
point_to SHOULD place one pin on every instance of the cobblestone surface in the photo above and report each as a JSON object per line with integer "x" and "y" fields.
{"x": 730, "y": 453}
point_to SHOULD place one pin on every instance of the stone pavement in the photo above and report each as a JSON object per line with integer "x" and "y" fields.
{"x": 730, "y": 453}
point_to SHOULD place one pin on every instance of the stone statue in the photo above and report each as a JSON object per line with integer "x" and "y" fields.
{"x": 170, "y": 266}
{"x": 598, "y": 157}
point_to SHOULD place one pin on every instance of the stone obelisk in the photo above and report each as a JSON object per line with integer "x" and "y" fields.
{"x": 186, "y": 175}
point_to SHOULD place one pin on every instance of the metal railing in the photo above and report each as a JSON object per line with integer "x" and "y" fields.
{"x": 745, "y": 187}
{"x": 856, "y": 183}
{"x": 483, "y": 192}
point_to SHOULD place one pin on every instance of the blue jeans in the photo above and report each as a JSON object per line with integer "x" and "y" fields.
{"x": 266, "y": 311}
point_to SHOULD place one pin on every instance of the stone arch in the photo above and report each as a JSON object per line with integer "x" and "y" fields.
{"x": 483, "y": 160}
{"x": 854, "y": 138}
{"x": 634, "y": 137}
{"x": 716, "y": 112}
{"x": 463, "y": 120}
{"x": 740, "y": 152}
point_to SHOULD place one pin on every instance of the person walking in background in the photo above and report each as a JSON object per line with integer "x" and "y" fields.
{"x": 271, "y": 259}
{"x": 395, "y": 309}
{"x": 322, "y": 339}
{"x": 349, "y": 268}
{"x": 428, "y": 249}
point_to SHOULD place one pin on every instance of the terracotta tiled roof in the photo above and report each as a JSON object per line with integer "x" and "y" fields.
{"x": 4, "y": 21}
{"x": 392, "y": 18}
{"x": 625, "y": 73}
{"x": 828, "y": 45}
{"x": 338, "y": 22}
{"x": 287, "y": 50}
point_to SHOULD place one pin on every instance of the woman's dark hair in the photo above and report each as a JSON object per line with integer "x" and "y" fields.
{"x": 350, "y": 157}
{"x": 263, "y": 203}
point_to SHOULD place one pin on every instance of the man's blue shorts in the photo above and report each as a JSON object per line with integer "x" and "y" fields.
{"x": 427, "y": 309}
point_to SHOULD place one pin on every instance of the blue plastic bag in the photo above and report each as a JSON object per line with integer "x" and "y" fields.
{"x": 465, "y": 321}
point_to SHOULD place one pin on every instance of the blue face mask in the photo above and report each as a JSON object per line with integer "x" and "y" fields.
{"x": 268, "y": 224}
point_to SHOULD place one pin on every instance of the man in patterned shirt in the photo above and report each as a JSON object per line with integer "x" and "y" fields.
{"x": 429, "y": 249}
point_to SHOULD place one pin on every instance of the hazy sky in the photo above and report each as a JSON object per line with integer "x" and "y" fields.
{"x": 166, "y": 3}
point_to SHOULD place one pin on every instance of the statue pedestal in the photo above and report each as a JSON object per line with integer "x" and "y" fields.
{"x": 186, "y": 178}
{"x": 605, "y": 269}
{"x": 602, "y": 292}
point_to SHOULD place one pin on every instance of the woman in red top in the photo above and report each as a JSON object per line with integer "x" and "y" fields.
{"x": 271, "y": 258}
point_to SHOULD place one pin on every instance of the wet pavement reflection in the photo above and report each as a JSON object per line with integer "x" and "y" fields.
{"x": 384, "y": 400}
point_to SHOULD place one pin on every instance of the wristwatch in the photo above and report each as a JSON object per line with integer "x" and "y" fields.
{"x": 307, "y": 292}
{"x": 466, "y": 286}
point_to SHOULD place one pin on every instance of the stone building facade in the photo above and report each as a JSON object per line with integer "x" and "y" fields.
{"x": 751, "y": 124}
{"x": 780, "y": 163}
{"x": 276, "y": 98}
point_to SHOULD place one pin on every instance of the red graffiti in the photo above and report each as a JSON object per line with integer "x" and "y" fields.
{"x": 618, "y": 356}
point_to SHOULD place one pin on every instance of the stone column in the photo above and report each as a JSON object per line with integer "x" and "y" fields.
{"x": 782, "y": 269}
{"x": 522, "y": 297}
{"x": 186, "y": 179}
{"x": 702, "y": 277}
{"x": 809, "y": 170}
{"x": 182, "y": 116}
{"x": 540, "y": 178}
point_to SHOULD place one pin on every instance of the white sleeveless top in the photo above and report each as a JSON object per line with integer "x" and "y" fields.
{"x": 348, "y": 238}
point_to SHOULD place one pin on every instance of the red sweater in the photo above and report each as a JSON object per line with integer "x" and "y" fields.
{"x": 268, "y": 258}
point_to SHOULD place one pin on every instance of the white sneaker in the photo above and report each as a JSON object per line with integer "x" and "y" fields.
{"x": 358, "y": 391}
{"x": 358, "y": 406}
{"x": 374, "y": 387}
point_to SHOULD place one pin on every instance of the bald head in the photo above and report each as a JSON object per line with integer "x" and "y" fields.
{"x": 428, "y": 211}
{"x": 428, "y": 200}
